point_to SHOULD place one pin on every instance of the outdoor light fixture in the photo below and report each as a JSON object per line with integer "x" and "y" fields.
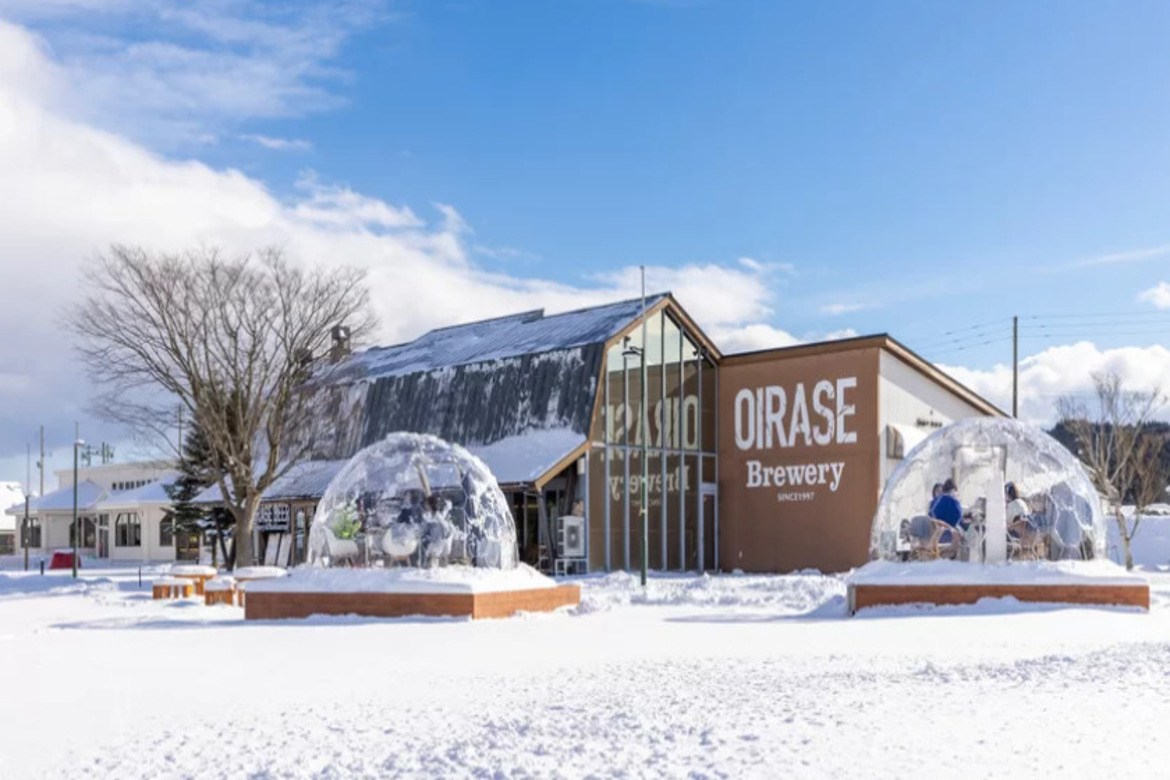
{"x": 24, "y": 530}
{"x": 632, "y": 351}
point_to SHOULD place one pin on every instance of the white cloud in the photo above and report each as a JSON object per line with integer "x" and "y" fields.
{"x": 341, "y": 207}
{"x": 719, "y": 297}
{"x": 504, "y": 252}
{"x": 168, "y": 70}
{"x": 758, "y": 336}
{"x": 760, "y": 267}
{"x": 279, "y": 144}
{"x": 69, "y": 190}
{"x": 1066, "y": 370}
{"x": 453, "y": 221}
{"x": 835, "y": 309}
{"x": 1158, "y": 295}
{"x": 751, "y": 338}
{"x": 1127, "y": 256}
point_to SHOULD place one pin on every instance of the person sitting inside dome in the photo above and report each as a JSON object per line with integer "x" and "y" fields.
{"x": 947, "y": 507}
{"x": 1017, "y": 507}
{"x": 935, "y": 492}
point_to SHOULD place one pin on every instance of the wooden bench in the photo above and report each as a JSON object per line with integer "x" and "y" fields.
{"x": 197, "y": 574}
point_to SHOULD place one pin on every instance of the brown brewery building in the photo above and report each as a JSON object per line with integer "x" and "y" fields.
{"x": 769, "y": 461}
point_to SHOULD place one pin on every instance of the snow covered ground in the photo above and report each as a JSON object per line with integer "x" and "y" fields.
{"x": 738, "y": 676}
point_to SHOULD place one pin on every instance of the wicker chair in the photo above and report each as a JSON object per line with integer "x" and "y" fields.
{"x": 1026, "y": 543}
{"x": 926, "y": 534}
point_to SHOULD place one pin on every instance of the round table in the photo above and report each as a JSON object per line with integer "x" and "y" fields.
{"x": 198, "y": 573}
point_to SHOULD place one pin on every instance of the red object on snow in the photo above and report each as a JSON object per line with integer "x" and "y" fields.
{"x": 63, "y": 559}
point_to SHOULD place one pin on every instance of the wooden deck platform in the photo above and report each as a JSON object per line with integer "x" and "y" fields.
{"x": 862, "y": 596}
{"x": 497, "y": 604}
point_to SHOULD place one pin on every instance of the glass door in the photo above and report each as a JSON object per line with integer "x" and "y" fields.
{"x": 103, "y": 536}
{"x": 709, "y": 529}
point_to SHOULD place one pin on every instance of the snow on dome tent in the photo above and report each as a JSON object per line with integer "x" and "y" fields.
{"x": 1017, "y": 516}
{"x": 411, "y": 524}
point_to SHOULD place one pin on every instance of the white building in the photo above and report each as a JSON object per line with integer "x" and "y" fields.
{"x": 120, "y": 509}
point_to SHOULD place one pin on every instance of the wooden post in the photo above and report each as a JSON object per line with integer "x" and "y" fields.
{"x": 545, "y": 535}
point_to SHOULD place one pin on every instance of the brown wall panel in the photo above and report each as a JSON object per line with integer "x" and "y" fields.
{"x": 792, "y": 495}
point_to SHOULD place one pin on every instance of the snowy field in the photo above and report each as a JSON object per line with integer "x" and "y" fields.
{"x": 734, "y": 676}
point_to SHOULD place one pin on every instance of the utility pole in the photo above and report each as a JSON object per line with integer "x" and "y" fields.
{"x": 77, "y": 445}
{"x": 27, "y": 491}
{"x": 1016, "y": 367}
{"x": 41, "y": 462}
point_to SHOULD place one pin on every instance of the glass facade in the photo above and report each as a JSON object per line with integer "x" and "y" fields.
{"x": 672, "y": 420}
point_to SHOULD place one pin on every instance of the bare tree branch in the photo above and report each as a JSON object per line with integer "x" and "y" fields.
{"x": 1124, "y": 458}
{"x": 241, "y": 343}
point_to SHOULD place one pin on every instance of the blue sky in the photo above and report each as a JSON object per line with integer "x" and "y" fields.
{"x": 792, "y": 170}
{"x": 943, "y": 164}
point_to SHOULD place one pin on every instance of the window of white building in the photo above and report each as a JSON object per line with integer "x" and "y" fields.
{"x": 128, "y": 530}
{"x": 33, "y": 533}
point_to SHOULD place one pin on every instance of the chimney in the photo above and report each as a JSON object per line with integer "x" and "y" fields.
{"x": 340, "y": 348}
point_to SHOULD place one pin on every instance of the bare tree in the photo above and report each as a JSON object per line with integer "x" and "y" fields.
{"x": 239, "y": 342}
{"x": 1124, "y": 458}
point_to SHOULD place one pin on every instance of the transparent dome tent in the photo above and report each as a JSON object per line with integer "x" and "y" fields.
{"x": 417, "y": 501}
{"x": 1023, "y": 496}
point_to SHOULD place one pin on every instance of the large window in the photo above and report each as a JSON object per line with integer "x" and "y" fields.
{"x": 32, "y": 532}
{"x": 674, "y": 419}
{"x": 128, "y": 530}
{"x": 88, "y": 532}
{"x": 166, "y": 533}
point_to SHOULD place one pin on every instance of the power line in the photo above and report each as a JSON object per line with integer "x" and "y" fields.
{"x": 972, "y": 346}
{"x": 1100, "y": 315}
{"x": 963, "y": 340}
{"x": 1087, "y": 335}
{"x": 957, "y": 332}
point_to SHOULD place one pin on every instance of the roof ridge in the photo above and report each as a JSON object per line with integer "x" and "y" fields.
{"x": 651, "y": 299}
{"x": 526, "y": 316}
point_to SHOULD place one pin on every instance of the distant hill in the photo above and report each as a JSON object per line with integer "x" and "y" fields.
{"x": 1158, "y": 429}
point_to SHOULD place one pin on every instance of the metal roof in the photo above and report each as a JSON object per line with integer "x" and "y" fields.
{"x": 527, "y": 333}
{"x": 304, "y": 480}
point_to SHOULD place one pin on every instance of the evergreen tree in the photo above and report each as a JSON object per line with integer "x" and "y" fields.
{"x": 197, "y": 471}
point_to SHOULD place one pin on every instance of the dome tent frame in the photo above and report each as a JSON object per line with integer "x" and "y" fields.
{"x": 1073, "y": 567}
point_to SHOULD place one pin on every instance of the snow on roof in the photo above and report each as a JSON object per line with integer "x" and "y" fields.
{"x": 520, "y": 334}
{"x": 210, "y": 494}
{"x": 88, "y": 495}
{"x": 151, "y": 493}
{"x": 304, "y": 480}
{"x": 513, "y": 460}
{"x": 524, "y": 458}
